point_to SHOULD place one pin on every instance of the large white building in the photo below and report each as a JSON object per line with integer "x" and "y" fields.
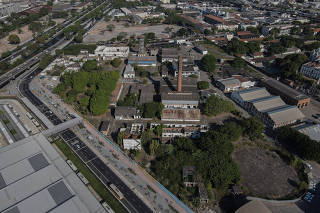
{"x": 35, "y": 178}
{"x": 129, "y": 72}
{"x": 111, "y": 52}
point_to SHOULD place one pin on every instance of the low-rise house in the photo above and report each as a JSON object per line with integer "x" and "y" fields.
{"x": 188, "y": 68}
{"x": 111, "y": 52}
{"x": 131, "y": 142}
{"x": 129, "y": 72}
{"x": 311, "y": 70}
{"x": 292, "y": 50}
{"x": 228, "y": 84}
{"x": 143, "y": 60}
{"x": 203, "y": 194}
{"x": 126, "y": 113}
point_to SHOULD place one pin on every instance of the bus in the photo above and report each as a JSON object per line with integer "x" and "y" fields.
{"x": 116, "y": 191}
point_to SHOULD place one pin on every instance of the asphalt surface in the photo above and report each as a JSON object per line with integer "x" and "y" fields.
{"x": 101, "y": 170}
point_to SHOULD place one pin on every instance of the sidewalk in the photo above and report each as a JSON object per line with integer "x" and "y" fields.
{"x": 160, "y": 200}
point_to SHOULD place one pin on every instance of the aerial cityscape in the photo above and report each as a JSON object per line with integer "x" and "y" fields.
{"x": 165, "y": 106}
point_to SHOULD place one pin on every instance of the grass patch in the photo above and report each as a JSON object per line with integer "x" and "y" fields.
{"x": 6, "y": 121}
{"x": 94, "y": 181}
{"x": 151, "y": 189}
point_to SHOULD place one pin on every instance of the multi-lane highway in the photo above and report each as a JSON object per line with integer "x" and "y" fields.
{"x": 101, "y": 170}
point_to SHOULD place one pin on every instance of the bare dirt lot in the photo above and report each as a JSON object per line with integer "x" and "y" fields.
{"x": 100, "y": 33}
{"x": 24, "y": 36}
{"x": 265, "y": 174}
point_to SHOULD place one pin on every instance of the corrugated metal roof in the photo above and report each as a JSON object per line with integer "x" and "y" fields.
{"x": 285, "y": 114}
{"x": 313, "y": 131}
{"x": 253, "y": 93}
{"x": 266, "y": 103}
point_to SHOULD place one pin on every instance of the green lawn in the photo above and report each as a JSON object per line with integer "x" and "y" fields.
{"x": 94, "y": 181}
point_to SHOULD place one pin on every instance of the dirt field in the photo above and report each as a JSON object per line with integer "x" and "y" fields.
{"x": 265, "y": 174}
{"x": 24, "y": 36}
{"x": 100, "y": 33}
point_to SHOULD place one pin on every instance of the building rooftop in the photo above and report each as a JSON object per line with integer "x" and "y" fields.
{"x": 313, "y": 131}
{"x": 179, "y": 97}
{"x": 146, "y": 94}
{"x": 125, "y": 110}
{"x": 128, "y": 70}
{"x": 229, "y": 82}
{"x": 34, "y": 178}
{"x": 180, "y": 115}
{"x": 143, "y": 58}
{"x": 253, "y": 93}
{"x": 272, "y": 83}
{"x": 284, "y": 114}
{"x": 266, "y": 103}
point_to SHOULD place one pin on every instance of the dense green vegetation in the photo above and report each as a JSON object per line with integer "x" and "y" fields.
{"x": 215, "y": 106}
{"x": 236, "y": 46}
{"x": 45, "y": 61}
{"x": 76, "y": 48}
{"x": 89, "y": 91}
{"x": 15, "y": 21}
{"x": 208, "y": 62}
{"x": 290, "y": 66}
{"x": 301, "y": 144}
{"x": 94, "y": 181}
{"x": 152, "y": 110}
{"x": 253, "y": 127}
{"x": 14, "y": 39}
{"x": 239, "y": 63}
{"x": 211, "y": 156}
{"x": 116, "y": 62}
{"x": 203, "y": 85}
{"x": 129, "y": 100}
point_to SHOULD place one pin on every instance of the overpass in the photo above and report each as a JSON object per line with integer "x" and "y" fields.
{"x": 63, "y": 126}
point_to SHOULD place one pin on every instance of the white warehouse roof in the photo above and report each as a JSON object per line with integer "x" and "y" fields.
{"x": 34, "y": 178}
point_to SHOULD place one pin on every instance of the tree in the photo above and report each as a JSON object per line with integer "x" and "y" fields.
{"x": 152, "y": 110}
{"x": 158, "y": 130}
{"x": 203, "y": 85}
{"x": 153, "y": 147}
{"x": 208, "y": 62}
{"x": 120, "y": 138}
{"x": 116, "y": 62}
{"x": 13, "y": 39}
{"x": 253, "y": 127}
{"x": 45, "y": 61}
{"x": 90, "y": 65}
{"x": 215, "y": 106}
{"x": 239, "y": 63}
{"x": 78, "y": 38}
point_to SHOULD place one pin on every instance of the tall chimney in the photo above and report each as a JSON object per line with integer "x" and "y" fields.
{"x": 180, "y": 74}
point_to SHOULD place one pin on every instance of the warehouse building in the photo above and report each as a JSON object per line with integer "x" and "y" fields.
{"x": 34, "y": 178}
{"x": 242, "y": 97}
{"x": 228, "y": 84}
{"x": 111, "y": 52}
{"x": 288, "y": 94}
{"x": 143, "y": 60}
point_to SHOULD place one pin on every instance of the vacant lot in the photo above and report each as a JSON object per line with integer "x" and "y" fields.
{"x": 25, "y": 35}
{"x": 100, "y": 33}
{"x": 265, "y": 174}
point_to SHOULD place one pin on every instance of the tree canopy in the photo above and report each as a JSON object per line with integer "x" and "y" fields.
{"x": 203, "y": 85}
{"x": 14, "y": 39}
{"x": 215, "y": 106}
{"x": 208, "y": 62}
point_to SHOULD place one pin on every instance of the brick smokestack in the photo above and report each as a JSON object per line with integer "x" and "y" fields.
{"x": 180, "y": 75}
